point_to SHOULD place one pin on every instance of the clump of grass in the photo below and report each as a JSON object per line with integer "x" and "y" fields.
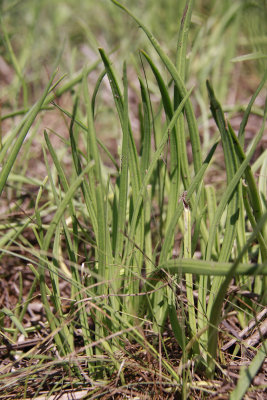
{"x": 109, "y": 235}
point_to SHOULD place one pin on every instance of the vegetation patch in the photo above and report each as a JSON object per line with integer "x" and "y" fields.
{"x": 133, "y": 202}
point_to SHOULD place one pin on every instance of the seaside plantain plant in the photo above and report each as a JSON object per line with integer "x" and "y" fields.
{"x": 124, "y": 217}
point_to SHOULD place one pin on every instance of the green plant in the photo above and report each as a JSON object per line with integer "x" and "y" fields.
{"x": 129, "y": 279}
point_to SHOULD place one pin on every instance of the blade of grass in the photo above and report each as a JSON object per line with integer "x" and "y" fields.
{"x": 208, "y": 268}
{"x": 250, "y": 180}
{"x": 71, "y": 82}
{"x": 64, "y": 336}
{"x": 191, "y": 120}
{"x": 229, "y": 190}
{"x": 123, "y": 186}
{"x": 21, "y": 136}
{"x": 247, "y": 374}
{"x": 123, "y": 190}
{"x": 233, "y": 204}
{"x": 178, "y": 212}
{"x": 133, "y": 162}
{"x": 85, "y": 128}
{"x": 231, "y": 167}
{"x": 215, "y": 315}
{"x": 241, "y": 132}
{"x": 160, "y": 312}
{"x": 189, "y": 277}
{"x": 14, "y": 319}
{"x": 47, "y": 240}
{"x": 181, "y": 62}
{"x": 15, "y": 64}
{"x": 147, "y": 124}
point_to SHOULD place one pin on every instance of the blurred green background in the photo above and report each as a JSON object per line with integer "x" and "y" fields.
{"x": 38, "y": 30}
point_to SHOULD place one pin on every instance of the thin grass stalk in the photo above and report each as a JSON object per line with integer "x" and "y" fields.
{"x": 200, "y": 267}
{"x": 189, "y": 277}
{"x": 16, "y": 65}
{"x": 85, "y": 128}
{"x": 208, "y": 268}
{"x": 119, "y": 214}
{"x": 146, "y": 127}
{"x": 247, "y": 113}
{"x": 149, "y": 173}
{"x": 233, "y": 207}
{"x": 123, "y": 185}
{"x": 263, "y": 192}
{"x": 72, "y": 82}
{"x": 175, "y": 170}
{"x": 230, "y": 16}
{"x": 133, "y": 167}
{"x": 190, "y": 116}
{"x": 21, "y": 136}
{"x": 66, "y": 338}
{"x": 76, "y": 292}
{"x": 102, "y": 288}
{"x": 180, "y": 132}
{"x": 104, "y": 257}
{"x": 242, "y": 282}
{"x": 182, "y": 154}
{"x": 250, "y": 180}
{"x": 230, "y": 188}
{"x": 132, "y": 274}
{"x": 160, "y": 309}
{"x": 66, "y": 331}
{"x": 148, "y": 248}
{"x": 154, "y": 161}
{"x": 96, "y": 90}
{"x": 178, "y": 327}
{"x": 165, "y": 248}
{"x": 231, "y": 167}
{"x": 52, "y": 320}
{"x": 196, "y": 181}
{"x": 247, "y": 374}
{"x": 203, "y": 280}
{"x": 92, "y": 149}
{"x": 215, "y": 315}
{"x": 18, "y": 307}
{"x": 122, "y": 108}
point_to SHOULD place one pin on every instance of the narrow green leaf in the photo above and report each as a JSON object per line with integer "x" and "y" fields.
{"x": 194, "y": 185}
{"x": 123, "y": 188}
{"x": 247, "y": 374}
{"x": 241, "y": 133}
{"x": 85, "y": 128}
{"x": 71, "y": 82}
{"x": 208, "y": 268}
{"x": 249, "y": 57}
{"x": 215, "y": 315}
{"x": 146, "y": 143}
{"x": 67, "y": 198}
{"x": 165, "y": 98}
{"x": 189, "y": 277}
{"x": 14, "y": 319}
{"x": 191, "y": 119}
{"x": 153, "y": 163}
{"x": 229, "y": 191}
{"x": 21, "y": 136}
{"x": 250, "y": 180}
